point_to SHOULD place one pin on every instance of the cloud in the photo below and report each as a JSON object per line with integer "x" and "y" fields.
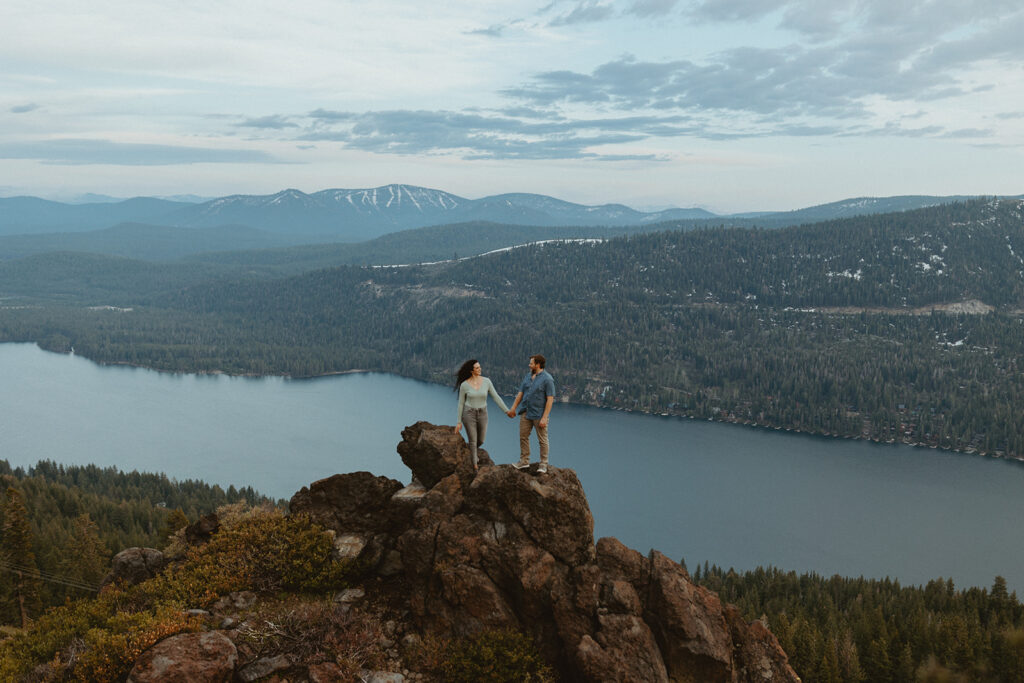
{"x": 532, "y": 113}
{"x": 896, "y": 130}
{"x": 970, "y": 133}
{"x": 329, "y": 115}
{"x": 928, "y": 28}
{"x": 505, "y": 134}
{"x": 493, "y": 31}
{"x": 585, "y": 12}
{"x": 832, "y": 81}
{"x": 652, "y": 8}
{"x": 734, "y": 10}
{"x": 866, "y": 68}
{"x": 79, "y": 152}
{"x": 275, "y": 122}
{"x": 24, "y": 108}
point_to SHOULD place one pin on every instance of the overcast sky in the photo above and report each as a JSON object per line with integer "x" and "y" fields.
{"x": 731, "y": 105}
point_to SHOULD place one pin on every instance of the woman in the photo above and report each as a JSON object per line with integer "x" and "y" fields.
{"x": 473, "y": 389}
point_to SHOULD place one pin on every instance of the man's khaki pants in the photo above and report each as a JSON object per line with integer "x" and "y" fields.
{"x": 525, "y": 425}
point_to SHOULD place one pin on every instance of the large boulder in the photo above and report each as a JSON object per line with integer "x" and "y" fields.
{"x": 433, "y": 453}
{"x": 134, "y": 565}
{"x": 208, "y": 657}
{"x": 357, "y": 502}
{"x": 467, "y": 551}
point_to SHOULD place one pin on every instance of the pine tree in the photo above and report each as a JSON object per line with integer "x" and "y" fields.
{"x": 86, "y": 559}
{"x": 175, "y": 520}
{"x": 18, "y": 560}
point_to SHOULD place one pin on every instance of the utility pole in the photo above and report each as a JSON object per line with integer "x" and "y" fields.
{"x": 21, "y": 599}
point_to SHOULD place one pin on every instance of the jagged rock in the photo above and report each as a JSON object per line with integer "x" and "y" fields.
{"x": 349, "y": 546}
{"x": 350, "y": 595}
{"x": 187, "y": 658}
{"x": 434, "y": 453}
{"x": 499, "y": 548}
{"x": 391, "y": 565}
{"x": 134, "y": 565}
{"x": 355, "y": 502}
{"x": 235, "y": 601}
{"x": 381, "y": 677}
{"x": 326, "y": 672}
{"x": 549, "y": 512}
{"x": 200, "y": 531}
{"x": 263, "y": 667}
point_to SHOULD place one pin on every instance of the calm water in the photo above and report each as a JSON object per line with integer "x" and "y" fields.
{"x": 732, "y": 495}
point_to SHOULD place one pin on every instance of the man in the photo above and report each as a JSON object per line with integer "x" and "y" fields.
{"x": 537, "y": 394}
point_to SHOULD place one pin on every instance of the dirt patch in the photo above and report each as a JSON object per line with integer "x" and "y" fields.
{"x": 969, "y": 307}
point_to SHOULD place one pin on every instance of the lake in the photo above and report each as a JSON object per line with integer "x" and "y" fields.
{"x": 732, "y": 495}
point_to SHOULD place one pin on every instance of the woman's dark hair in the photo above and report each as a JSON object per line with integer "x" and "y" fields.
{"x": 464, "y": 373}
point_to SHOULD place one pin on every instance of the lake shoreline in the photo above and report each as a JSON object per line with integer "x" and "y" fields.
{"x": 998, "y": 455}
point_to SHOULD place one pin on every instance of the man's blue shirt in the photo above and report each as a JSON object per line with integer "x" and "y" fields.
{"x": 536, "y": 390}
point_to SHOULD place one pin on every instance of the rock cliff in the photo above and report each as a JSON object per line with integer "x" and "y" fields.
{"x": 462, "y": 551}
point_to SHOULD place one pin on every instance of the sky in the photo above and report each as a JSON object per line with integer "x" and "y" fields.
{"x": 727, "y": 105}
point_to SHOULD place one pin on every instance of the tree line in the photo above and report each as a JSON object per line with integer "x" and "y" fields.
{"x": 850, "y": 630}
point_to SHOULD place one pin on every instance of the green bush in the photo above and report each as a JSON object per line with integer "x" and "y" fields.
{"x": 99, "y": 639}
{"x": 502, "y": 656}
{"x": 263, "y": 550}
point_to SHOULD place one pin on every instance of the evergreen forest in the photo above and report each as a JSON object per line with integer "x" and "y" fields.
{"x": 849, "y": 630}
{"x": 62, "y": 524}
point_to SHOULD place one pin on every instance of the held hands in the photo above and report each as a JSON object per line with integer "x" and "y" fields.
{"x": 511, "y": 412}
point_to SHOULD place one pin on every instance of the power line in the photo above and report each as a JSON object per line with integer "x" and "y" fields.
{"x": 35, "y": 573}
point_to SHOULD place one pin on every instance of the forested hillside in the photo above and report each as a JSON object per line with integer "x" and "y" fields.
{"x": 853, "y": 328}
{"x": 847, "y": 630}
{"x": 73, "y": 519}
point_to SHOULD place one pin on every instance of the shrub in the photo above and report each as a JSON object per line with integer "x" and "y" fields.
{"x": 501, "y": 656}
{"x": 98, "y": 639}
{"x": 263, "y": 551}
{"x": 315, "y": 631}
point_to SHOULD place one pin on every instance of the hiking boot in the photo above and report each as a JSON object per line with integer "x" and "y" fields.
{"x": 521, "y": 465}
{"x": 542, "y": 468}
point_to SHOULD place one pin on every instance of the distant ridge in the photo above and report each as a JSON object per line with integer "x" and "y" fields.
{"x": 342, "y": 215}
{"x": 857, "y": 206}
{"x": 350, "y": 215}
{"x": 356, "y": 215}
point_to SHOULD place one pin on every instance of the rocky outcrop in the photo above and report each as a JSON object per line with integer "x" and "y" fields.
{"x": 134, "y": 565}
{"x": 468, "y": 551}
{"x": 202, "y": 529}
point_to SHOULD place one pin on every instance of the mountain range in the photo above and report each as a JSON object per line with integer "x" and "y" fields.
{"x": 341, "y": 215}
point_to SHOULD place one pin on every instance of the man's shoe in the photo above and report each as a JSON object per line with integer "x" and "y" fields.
{"x": 543, "y": 469}
{"x": 521, "y": 466}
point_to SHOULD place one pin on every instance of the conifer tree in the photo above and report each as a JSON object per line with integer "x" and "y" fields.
{"x": 18, "y": 559}
{"x": 175, "y": 520}
{"x": 86, "y": 559}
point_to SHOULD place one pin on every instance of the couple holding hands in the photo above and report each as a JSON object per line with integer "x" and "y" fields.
{"x": 534, "y": 400}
